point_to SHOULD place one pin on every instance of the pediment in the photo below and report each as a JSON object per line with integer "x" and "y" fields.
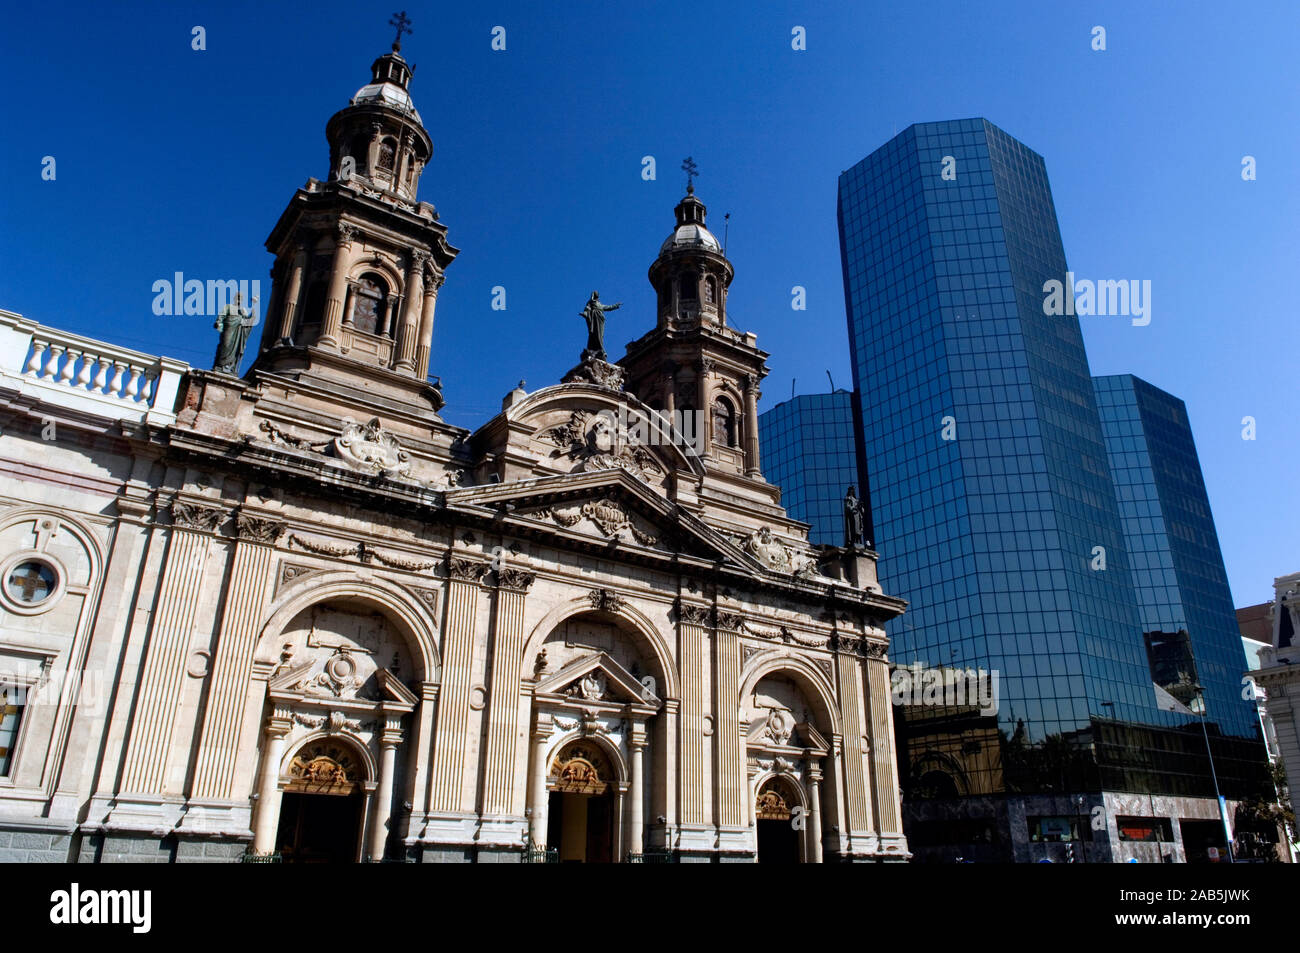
{"x": 579, "y": 427}
{"x": 598, "y": 678}
{"x": 332, "y": 680}
{"x": 608, "y": 507}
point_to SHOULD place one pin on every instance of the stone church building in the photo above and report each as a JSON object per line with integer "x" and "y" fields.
{"x": 298, "y": 615}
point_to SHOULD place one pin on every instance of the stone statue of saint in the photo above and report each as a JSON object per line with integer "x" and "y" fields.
{"x": 855, "y": 521}
{"x": 594, "y": 314}
{"x": 235, "y": 323}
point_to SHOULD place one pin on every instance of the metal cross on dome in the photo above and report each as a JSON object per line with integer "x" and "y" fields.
{"x": 691, "y": 170}
{"x": 403, "y": 24}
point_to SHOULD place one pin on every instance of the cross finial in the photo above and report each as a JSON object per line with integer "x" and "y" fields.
{"x": 691, "y": 170}
{"x": 403, "y": 24}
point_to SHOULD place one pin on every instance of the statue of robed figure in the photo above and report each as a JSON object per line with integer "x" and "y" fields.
{"x": 594, "y": 314}
{"x": 855, "y": 521}
{"x": 235, "y": 323}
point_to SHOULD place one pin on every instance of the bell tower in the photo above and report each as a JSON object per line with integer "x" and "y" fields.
{"x": 694, "y": 361}
{"x": 359, "y": 258}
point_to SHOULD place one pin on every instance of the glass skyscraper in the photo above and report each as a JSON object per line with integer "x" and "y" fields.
{"x": 1178, "y": 573}
{"x": 808, "y": 450}
{"x": 994, "y": 509}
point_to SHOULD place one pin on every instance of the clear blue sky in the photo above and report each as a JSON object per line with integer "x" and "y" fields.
{"x": 175, "y": 160}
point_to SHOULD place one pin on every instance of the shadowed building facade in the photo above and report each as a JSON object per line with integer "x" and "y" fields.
{"x": 301, "y": 615}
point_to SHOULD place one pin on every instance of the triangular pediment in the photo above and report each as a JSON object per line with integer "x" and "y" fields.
{"x": 598, "y": 678}
{"x": 609, "y": 507}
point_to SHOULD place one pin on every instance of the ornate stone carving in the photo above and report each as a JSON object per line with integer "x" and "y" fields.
{"x": 515, "y": 578}
{"x": 593, "y": 685}
{"x": 779, "y": 726}
{"x": 339, "y": 677}
{"x": 345, "y": 233}
{"x": 258, "y": 529}
{"x": 429, "y": 597}
{"x": 371, "y": 449}
{"x": 595, "y": 442}
{"x": 825, "y": 666}
{"x": 695, "y": 615}
{"x": 398, "y": 562}
{"x": 747, "y": 652}
{"x": 593, "y": 370}
{"x": 606, "y": 600}
{"x": 876, "y": 650}
{"x": 765, "y": 548}
{"x": 730, "y": 621}
{"x": 770, "y": 806}
{"x": 278, "y": 435}
{"x": 610, "y": 516}
{"x": 197, "y": 517}
{"x": 463, "y": 569}
{"x": 291, "y": 571}
{"x": 322, "y": 549}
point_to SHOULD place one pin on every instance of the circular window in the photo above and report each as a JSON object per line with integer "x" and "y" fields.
{"x": 30, "y": 583}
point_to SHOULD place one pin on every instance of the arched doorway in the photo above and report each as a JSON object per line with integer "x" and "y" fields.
{"x": 581, "y": 814}
{"x": 321, "y": 809}
{"x": 778, "y": 833}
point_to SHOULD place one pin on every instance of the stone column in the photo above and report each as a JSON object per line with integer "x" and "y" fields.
{"x": 751, "y": 426}
{"x": 433, "y": 279}
{"x": 814, "y": 812}
{"x": 349, "y": 302}
{"x": 691, "y": 780}
{"x": 149, "y": 752}
{"x": 857, "y": 792}
{"x": 727, "y": 743}
{"x": 888, "y": 810}
{"x": 499, "y": 795}
{"x": 267, "y": 811}
{"x": 451, "y": 734}
{"x": 333, "y": 322}
{"x": 636, "y": 792}
{"x": 240, "y": 624}
{"x": 409, "y": 338}
{"x": 389, "y": 316}
{"x": 702, "y": 404}
{"x": 290, "y": 302}
{"x": 389, "y": 739}
{"x": 538, "y": 796}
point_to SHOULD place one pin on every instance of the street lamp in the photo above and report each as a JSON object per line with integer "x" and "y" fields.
{"x": 1199, "y": 701}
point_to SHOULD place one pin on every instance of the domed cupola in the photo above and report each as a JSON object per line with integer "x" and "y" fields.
{"x": 691, "y": 274}
{"x": 378, "y": 140}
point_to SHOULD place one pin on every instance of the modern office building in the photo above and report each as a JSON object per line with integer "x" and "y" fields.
{"x": 808, "y": 449}
{"x": 996, "y": 516}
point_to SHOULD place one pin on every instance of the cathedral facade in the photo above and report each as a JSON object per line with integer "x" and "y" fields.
{"x": 297, "y": 615}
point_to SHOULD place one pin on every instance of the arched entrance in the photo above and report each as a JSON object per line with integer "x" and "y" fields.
{"x": 581, "y": 813}
{"x": 778, "y": 835}
{"x": 321, "y": 808}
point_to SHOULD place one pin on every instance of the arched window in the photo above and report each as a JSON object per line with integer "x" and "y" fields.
{"x": 360, "y": 152}
{"x": 724, "y": 423}
{"x": 371, "y": 304}
{"x": 710, "y": 290}
{"x": 387, "y": 154}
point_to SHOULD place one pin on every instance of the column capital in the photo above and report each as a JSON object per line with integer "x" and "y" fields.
{"x": 258, "y": 529}
{"x": 515, "y": 579}
{"x": 345, "y": 233}
{"x": 465, "y": 569}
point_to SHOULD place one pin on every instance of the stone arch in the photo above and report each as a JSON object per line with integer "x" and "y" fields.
{"x": 607, "y": 748}
{"x": 401, "y": 608}
{"x": 358, "y": 747}
{"x": 792, "y": 789}
{"x": 812, "y": 681}
{"x": 380, "y": 265}
{"x": 635, "y": 620}
{"x": 931, "y": 762}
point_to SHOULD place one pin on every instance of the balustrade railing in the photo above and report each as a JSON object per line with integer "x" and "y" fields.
{"x": 130, "y": 380}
